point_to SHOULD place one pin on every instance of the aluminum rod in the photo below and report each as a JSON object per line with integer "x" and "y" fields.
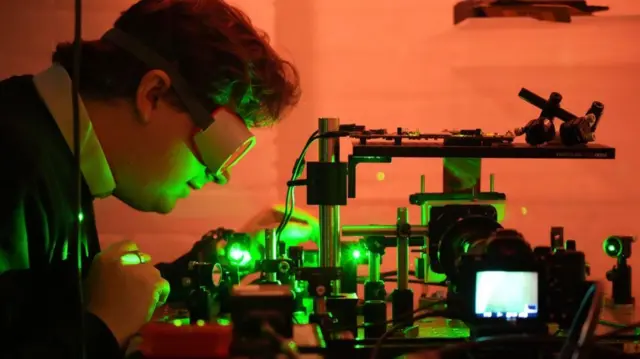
{"x": 374, "y": 267}
{"x": 403, "y": 251}
{"x": 329, "y": 216}
{"x": 424, "y": 221}
{"x": 271, "y": 250}
{"x": 379, "y": 230}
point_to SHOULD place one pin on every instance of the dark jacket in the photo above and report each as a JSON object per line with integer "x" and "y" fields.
{"x": 40, "y": 314}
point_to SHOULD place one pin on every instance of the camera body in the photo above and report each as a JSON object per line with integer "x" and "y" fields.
{"x": 566, "y": 274}
{"x": 500, "y": 286}
{"x": 496, "y": 280}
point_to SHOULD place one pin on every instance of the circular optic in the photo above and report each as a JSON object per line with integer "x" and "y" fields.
{"x": 216, "y": 274}
{"x": 238, "y": 255}
{"x": 460, "y": 237}
{"x": 612, "y": 246}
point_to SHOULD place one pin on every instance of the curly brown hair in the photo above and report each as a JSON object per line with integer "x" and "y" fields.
{"x": 223, "y": 57}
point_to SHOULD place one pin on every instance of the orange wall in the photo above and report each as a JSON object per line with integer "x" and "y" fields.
{"x": 402, "y": 63}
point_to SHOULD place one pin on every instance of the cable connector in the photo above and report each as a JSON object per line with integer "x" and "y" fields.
{"x": 335, "y": 134}
{"x": 351, "y": 127}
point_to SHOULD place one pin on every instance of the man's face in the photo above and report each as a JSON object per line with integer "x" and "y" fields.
{"x": 158, "y": 166}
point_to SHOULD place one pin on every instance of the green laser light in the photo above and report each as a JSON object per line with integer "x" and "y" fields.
{"x": 618, "y": 246}
{"x": 238, "y": 255}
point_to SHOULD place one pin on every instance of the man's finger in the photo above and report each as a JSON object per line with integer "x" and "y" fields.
{"x": 116, "y": 250}
{"x": 163, "y": 289}
{"x": 134, "y": 258}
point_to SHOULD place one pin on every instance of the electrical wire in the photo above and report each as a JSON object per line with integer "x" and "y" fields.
{"x": 298, "y": 167}
{"x": 76, "y": 244}
{"x": 620, "y": 330}
{"x": 611, "y": 324}
{"x": 584, "y": 324}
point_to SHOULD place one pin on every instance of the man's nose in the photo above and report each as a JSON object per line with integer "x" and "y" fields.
{"x": 227, "y": 174}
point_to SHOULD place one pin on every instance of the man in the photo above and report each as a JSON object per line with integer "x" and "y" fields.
{"x": 139, "y": 142}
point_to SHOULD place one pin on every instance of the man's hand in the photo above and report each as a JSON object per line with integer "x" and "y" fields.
{"x": 124, "y": 289}
{"x": 302, "y": 227}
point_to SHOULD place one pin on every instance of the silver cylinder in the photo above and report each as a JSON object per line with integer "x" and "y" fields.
{"x": 271, "y": 250}
{"x": 374, "y": 267}
{"x": 329, "y": 216}
{"x": 379, "y": 230}
{"x": 270, "y": 244}
{"x": 403, "y": 251}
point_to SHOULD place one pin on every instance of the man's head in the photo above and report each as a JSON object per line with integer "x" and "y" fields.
{"x": 143, "y": 127}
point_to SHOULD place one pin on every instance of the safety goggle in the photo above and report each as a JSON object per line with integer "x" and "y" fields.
{"x": 223, "y": 144}
{"x": 223, "y": 138}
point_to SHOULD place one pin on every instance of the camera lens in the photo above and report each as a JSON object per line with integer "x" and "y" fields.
{"x": 464, "y": 236}
{"x": 506, "y": 243}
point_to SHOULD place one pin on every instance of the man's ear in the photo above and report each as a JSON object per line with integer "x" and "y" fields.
{"x": 153, "y": 85}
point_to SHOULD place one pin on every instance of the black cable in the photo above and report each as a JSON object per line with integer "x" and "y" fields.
{"x": 76, "y": 239}
{"x": 298, "y": 167}
{"x": 611, "y": 324}
{"x": 620, "y": 330}
{"x": 395, "y": 328}
{"x": 584, "y": 324}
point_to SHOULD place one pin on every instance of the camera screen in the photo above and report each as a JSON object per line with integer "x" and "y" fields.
{"x": 509, "y": 295}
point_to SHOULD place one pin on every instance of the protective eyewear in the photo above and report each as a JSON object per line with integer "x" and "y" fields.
{"x": 223, "y": 138}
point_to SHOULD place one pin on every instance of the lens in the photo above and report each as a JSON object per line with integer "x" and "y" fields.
{"x": 507, "y": 243}
{"x": 216, "y": 274}
{"x": 238, "y": 255}
{"x": 463, "y": 236}
{"x": 353, "y": 252}
{"x": 612, "y": 246}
